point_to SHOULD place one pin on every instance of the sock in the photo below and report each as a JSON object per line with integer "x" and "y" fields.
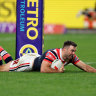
{"x": 6, "y": 56}
{"x": 1, "y": 60}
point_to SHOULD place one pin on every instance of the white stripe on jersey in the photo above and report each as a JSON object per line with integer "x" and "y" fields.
{"x": 53, "y": 54}
{"x": 60, "y": 52}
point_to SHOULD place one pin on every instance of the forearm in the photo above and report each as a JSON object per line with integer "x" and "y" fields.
{"x": 50, "y": 70}
{"x": 85, "y": 67}
{"x": 46, "y": 68}
{"x": 90, "y": 69}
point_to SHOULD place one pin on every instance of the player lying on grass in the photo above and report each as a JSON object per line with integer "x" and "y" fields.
{"x": 42, "y": 63}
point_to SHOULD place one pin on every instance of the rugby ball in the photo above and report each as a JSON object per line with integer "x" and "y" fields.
{"x": 56, "y": 64}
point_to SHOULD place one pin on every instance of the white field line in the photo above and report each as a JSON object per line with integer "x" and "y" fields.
{"x": 89, "y": 63}
{"x": 7, "y": 39}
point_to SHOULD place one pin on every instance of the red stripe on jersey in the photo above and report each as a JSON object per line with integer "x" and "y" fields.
{"x": 56, "y": 67}
{"x": 0, "y": 58}
{"x": 47, "y": 61}
{"x": 1, "y": 49}
{"x": 50, "y": 56}
{"x": 73, "y": 59}
{"x": 58, "y": 53}
{"x": 74, "y": 56}
{"x": 19, "y": 65}
{"x": 76, "y": 62}
{"x": 6, "y": 56}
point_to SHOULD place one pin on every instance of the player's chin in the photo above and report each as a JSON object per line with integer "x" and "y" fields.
{"x": 70, "y": 57}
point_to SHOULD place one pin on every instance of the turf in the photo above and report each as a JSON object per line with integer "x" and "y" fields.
{"x": 74, "y": 82}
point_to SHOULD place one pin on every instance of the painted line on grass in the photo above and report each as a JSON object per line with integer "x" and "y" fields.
{"x": 7, "y": 39}
{"x": 90, "y": 62}
{"x": 87, "y": 63}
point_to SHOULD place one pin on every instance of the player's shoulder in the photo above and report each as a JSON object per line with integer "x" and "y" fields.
{"x": 53, "y": 51}
{"x": 75, "y": 56}
{"x": 75, "y": 59}
{"x": 51, "y": 54}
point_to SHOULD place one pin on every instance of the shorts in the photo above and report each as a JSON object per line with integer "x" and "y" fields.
{"x": 24, "y": 63}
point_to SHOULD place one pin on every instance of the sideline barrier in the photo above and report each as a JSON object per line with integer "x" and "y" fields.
{"x": 54, "y": 29}
{"x": 7, "y": 27}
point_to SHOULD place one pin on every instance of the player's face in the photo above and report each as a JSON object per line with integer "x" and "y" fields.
{"x": 70, "y": 51}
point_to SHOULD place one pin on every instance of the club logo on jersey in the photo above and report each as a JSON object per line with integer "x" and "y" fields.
{"x": 28, "y": 48}
{"x": 48, "y": 55}
{"x": 76, "y": 58}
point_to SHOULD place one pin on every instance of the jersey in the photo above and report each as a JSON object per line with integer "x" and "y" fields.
{"x": 50, "y": 56}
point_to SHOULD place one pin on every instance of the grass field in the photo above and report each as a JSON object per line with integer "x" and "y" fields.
{"x": 74, "y": 82}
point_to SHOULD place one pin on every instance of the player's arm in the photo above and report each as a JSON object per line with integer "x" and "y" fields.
{"x": 46, "y": 68}
{"x": 85, "y": 67}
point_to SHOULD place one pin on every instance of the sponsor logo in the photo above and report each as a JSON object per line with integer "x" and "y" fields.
{"x": 28, "y": 48}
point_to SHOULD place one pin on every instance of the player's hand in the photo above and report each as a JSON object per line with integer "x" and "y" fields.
{"x": 61, "y": 70}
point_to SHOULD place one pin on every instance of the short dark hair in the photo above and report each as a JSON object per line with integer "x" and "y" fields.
{"x": 68, "y": 43}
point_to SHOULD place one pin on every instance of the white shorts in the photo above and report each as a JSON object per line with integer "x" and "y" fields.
{"x": 24, "y": 63}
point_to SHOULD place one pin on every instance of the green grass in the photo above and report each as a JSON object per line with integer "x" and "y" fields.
{"x": 74, "y": 82}
{"x": 8, "y": 42}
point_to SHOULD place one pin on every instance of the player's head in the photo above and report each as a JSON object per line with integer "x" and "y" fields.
{"x": 68, "y": 43}
{"x": 69, "y": 49}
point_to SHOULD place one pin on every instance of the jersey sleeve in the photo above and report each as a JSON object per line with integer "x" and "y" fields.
{"x": 75, "y": 59}
{"x": 49, "y": 57}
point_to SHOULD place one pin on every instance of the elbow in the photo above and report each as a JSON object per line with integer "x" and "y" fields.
{"x": 42, "y": 70}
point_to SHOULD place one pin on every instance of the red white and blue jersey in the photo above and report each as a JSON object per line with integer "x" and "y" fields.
{"x": 57, "y": 54}
{"x": 50, "y": 56}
